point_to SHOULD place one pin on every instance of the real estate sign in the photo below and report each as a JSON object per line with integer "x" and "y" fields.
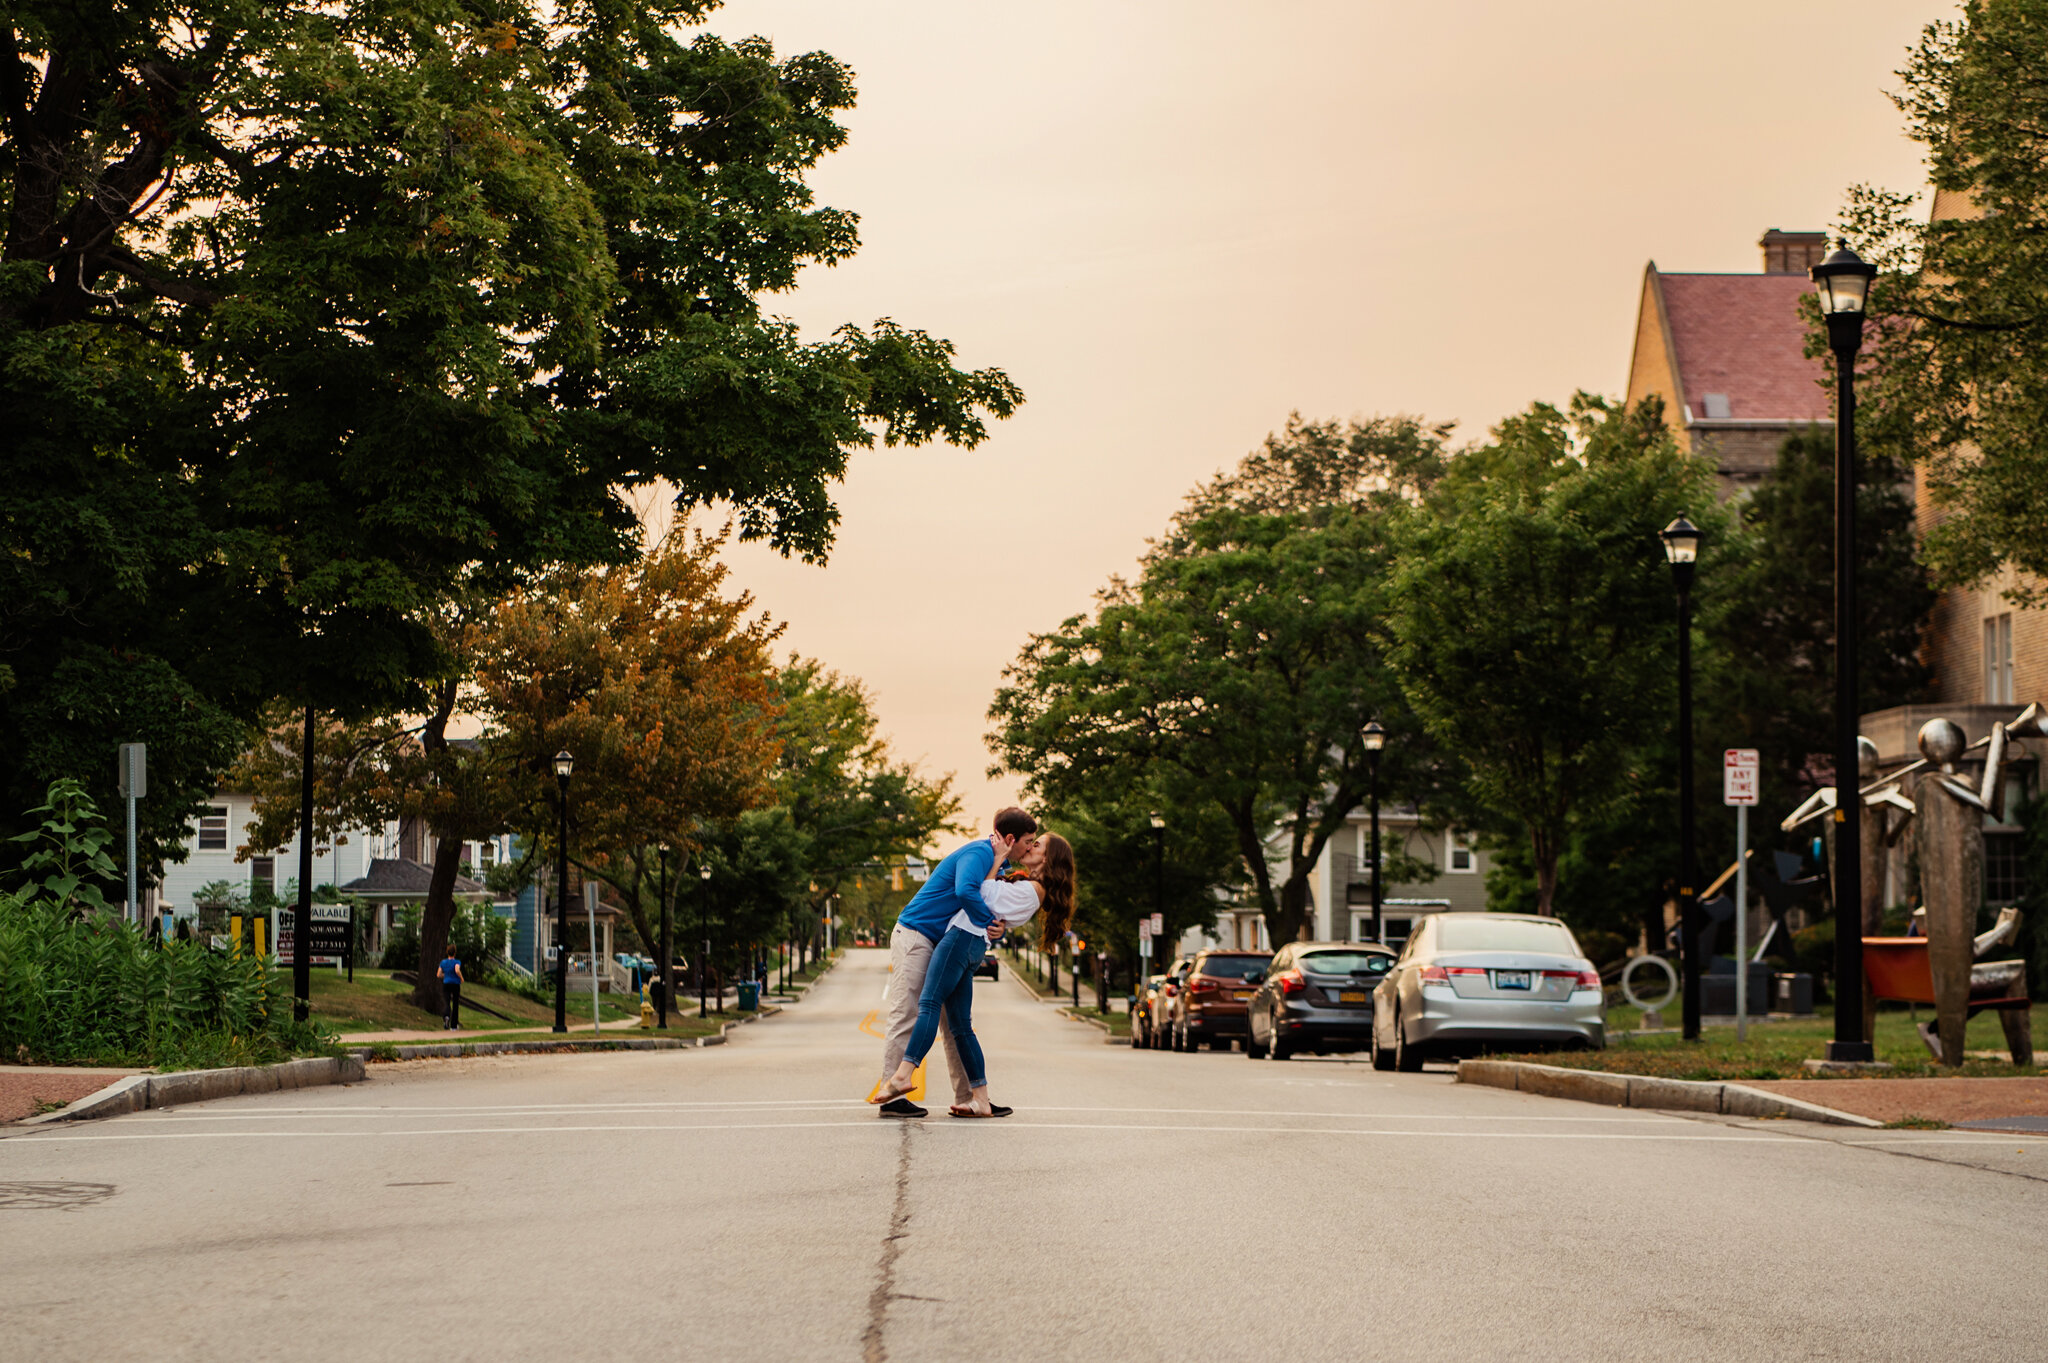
{"x": 330, "y": 934}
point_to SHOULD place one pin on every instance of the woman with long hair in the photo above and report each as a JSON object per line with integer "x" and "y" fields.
{"x": 949, "y": 980}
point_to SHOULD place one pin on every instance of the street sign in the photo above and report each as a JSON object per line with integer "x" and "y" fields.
{"x": 330, "y": 934}
{"x": 134, "y": 771}
{"x": 1158, "y": 925}
{"x": 1144, "y": 929}
{"x": 1738, "y": 776}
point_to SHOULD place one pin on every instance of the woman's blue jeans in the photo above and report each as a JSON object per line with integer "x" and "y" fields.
{"x": 949, "y": 989}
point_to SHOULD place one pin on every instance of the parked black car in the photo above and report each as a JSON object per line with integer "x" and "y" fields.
{"x": 1316, "y": 996}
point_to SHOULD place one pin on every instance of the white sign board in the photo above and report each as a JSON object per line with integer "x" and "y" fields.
{"x": 1144, "y": 929}
{"x": 1738, "y": 776}
{"x": 1158, "y": 925}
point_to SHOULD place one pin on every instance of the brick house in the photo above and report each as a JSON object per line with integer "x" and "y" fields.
{"x": 1727, "y": 354}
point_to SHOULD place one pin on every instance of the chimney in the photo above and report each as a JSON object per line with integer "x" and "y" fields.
{"x": 1792, "y": 252}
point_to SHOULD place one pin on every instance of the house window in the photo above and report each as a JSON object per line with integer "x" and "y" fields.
{"x": 487, "y": 853}
{"x": 2005, "y": 879}
{"x": 1458, "y": 855}
{"x": 213, "y": 829}
{"x": 262, "y": 876}
{"x": 1998, "y": 659}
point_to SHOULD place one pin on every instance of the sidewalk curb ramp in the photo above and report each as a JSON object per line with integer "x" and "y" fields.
{"x": 138, "y": 1092}
{"x": 1633, "y": 1090}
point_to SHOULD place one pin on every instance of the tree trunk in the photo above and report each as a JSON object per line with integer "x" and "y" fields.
{"x": 435, "y": 916}
{"x": 1544, "y": 849}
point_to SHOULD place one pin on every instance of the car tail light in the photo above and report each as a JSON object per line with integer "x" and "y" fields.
{"x": 1292, "y": 983}
{"x": 1581, "y": 979}
{"x": 1441, "y": 974}
{"x": 1202, "y": 987}
{"x": 1589, "y": 979}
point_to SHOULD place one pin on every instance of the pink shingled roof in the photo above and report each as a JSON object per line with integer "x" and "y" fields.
{"x": 1741, "y": 334}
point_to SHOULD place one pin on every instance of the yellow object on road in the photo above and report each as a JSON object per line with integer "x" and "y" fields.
{"x": 646, "y": 1016}
{"x": 916, "y": 1094}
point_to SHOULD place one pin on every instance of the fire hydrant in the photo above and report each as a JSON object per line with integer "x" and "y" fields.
{"x": 646, "y": 1012}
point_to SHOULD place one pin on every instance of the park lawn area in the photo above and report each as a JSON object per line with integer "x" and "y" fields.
{"x": 1119, "y": 1024}
{"x": 375, "y": 1002}
{"x": 1777, "y": 1050}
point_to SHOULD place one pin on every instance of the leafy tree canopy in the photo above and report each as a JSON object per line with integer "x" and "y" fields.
{"x": 1239, "y": 671}
{"x": 314, "y": 316}
{"x": 1956, "y": 371}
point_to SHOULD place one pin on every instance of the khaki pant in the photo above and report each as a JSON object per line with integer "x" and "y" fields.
{"x": 910, "y": 953}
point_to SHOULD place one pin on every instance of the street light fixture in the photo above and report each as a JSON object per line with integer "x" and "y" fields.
{"x": 565, "y": 763}
{"x": 1843, "y": 283}
{"x": 1375, "y": 739}
{"x": 1682, "y": 550}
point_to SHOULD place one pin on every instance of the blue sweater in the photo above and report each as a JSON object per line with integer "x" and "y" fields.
{"x": 953, "y": 885}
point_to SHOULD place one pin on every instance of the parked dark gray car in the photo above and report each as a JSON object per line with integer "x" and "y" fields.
{"x": 1316, "y": 996}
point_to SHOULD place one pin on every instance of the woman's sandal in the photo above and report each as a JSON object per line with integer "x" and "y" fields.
{"x": 886, "y": 1094}
{"x": 994, "y": 1110}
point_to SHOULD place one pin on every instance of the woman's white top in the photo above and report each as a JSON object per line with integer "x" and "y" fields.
{"x": 1014, "y": 902}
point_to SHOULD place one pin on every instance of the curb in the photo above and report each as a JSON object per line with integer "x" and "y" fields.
{"x": 456, "y": 1050}
{"x": 1634, "y": 1090}
{"x": 1109, "y": 1038}
{"x": 139, "y": 1092}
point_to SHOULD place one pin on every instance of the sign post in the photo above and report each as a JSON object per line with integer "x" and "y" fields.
{"x": 1739, "y": 788}
{"x": 1145, "y": 939}
{"x": 590, "y": 909}
{"x": 134, "y": 785}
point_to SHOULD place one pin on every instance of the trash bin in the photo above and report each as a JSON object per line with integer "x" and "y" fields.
{"x": 750, "y": 995}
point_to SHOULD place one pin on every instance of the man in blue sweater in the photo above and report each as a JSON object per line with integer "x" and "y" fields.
{"x": 954, "y": 884}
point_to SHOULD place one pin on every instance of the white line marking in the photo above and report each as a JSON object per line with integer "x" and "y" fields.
{"x": 542, "y": 1109}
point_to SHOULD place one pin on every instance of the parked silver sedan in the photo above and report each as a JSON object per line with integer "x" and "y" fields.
{"x": 1470, "y": 982}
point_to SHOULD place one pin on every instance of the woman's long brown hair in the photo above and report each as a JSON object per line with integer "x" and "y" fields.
{"x": 1057, "y": 876}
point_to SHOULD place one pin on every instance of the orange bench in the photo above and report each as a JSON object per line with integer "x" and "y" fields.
{"x": 1898, "y": 969}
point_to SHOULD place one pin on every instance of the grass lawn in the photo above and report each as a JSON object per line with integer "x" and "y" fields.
{"x": 1776, "y": 1050}
{"x": 1119, "y": 1024}
{"x": 377, "y": 1003}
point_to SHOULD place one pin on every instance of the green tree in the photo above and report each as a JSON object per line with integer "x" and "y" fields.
{"x": 1532, "y": 613}
{"x": 1239, "y": 672}
{"x": 315, "y": 315}
{"x": 854, "y": 806}
{"x": 1955, "y": 377}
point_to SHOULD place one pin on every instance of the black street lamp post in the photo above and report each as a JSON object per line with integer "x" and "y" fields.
{"x": 704, "y": 961}
{"x": 564, "y": 764}
{"x": 1158, "y": 885}
{"x": 1843, "y": 283}
{"x": 1375, "y": 739}
{"x": 1682, "y": 547}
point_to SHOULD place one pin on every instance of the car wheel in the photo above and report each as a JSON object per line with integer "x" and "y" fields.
{"x": 992, "y": 969}
{"x": 1252, "y": 1046}
{"x": 1407, "y": 1059}
{"x": 1281, "y": 1050}
{"x": 1382, "y": 1056}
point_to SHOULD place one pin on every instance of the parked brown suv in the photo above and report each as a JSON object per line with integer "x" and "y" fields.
{"x": 1210, "y": 1004}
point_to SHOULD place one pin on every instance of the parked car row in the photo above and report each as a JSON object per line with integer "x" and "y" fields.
{"x": 1462, "y": 984}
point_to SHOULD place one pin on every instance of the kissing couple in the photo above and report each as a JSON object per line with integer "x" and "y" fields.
{"x": 971, "y": 898}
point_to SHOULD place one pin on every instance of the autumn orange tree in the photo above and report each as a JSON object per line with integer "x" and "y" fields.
{"x": 663, "y": 689}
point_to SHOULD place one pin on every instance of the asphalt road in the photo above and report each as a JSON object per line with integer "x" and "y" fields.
{"x": 742, "y": 1203}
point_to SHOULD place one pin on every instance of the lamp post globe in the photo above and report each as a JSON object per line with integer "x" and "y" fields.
{"x": 1842, "y": 282}
{"x": 704, "y": 961}
{"x": 1375, "y": 735}
{"x": 564, "y": 764}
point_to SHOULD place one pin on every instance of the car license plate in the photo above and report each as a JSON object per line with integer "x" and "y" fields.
{"x": 1510, "y": 979}
{"x": 1351, "y": 996}
{"x": 1241, "y": 994}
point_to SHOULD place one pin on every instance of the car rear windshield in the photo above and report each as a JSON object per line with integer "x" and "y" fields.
{"x": 1345, "y": 963}
{"x": 1233, "y": 967}
{"x": 1504, "y": 934}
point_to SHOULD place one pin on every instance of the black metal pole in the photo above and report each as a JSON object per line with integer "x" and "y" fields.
{"x": 302, "y": 933}
{"x": 1158, "y": 883}
{"x": 1372, "y": 765}
{"x": 668, "y": 948}
{"x": 1845, "y": 338}
{"x": 562, "y": 903}
{"x": 1688, "y": 927}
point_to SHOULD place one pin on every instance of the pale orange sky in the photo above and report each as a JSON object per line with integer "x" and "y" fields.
{"x": 1175, "y": 222}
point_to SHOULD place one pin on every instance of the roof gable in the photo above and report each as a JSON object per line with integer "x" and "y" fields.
{"x": 1740, "y": 338}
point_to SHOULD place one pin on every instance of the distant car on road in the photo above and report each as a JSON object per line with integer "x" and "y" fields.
{"x": 987, "y": 969}
{"x": 1472, "y": 982}
{"x": 1315, "y": 996}
{"x": 1209, "y": 1006}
